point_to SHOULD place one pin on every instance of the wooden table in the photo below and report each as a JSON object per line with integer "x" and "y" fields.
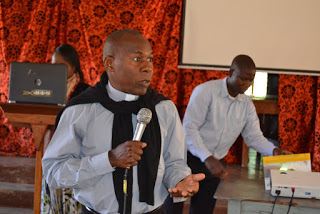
{"x": 39, "y": 117}
{"x": 244, "y": 190}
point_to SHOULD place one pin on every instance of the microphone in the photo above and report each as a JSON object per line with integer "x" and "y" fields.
{"x": 143, "y": 117}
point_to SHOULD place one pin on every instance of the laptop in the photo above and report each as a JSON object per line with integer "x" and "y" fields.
{"x": 37, "y": 83}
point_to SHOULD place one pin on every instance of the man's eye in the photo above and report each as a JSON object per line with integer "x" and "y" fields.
{"x": 136, "y": 59}
{"x": 149, "y": 59}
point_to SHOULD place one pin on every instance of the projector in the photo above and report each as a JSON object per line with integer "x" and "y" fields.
{"x": 305, "y": 184}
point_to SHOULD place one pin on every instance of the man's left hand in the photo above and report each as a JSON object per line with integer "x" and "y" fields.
{"x": 278, "y": 151}
{"x": 188, "y": 186}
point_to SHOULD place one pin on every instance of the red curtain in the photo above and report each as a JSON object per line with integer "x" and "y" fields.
{"x": 31, "y": 30}
{"x": 299, "y": 111}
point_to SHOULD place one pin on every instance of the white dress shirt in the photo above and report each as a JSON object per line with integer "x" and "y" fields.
{"x": 77, "y": 156}
{"x": 213, "y": 121}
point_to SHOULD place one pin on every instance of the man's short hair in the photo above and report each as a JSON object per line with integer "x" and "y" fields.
{"x": 242, "y": 62}
{"x": 114, "y": 37}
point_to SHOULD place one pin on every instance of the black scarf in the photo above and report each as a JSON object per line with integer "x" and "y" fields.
{"x": 122, "y": 131}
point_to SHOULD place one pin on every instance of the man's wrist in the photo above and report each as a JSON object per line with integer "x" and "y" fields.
{"x": 111, "y": 158}
{"x": 210, "y": 158}
{"x": 276, "y": 151}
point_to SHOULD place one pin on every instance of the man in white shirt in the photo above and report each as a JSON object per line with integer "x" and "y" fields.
{"x": 92, "y": 145}
{"x": 218, "y": 111}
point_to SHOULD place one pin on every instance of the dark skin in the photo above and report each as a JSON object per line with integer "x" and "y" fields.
{"x": 240, "y": 78}
{"x": 126, "y": 154}
{"x": 130, "y": 57}
{"x": 128, "y": 63}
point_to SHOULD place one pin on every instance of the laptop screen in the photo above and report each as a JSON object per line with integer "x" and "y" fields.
{"x": 37, "y": 83}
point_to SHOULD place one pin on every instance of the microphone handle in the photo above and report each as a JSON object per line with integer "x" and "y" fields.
{"x": 141, "y": 126}
{"x": 138, "y": 132}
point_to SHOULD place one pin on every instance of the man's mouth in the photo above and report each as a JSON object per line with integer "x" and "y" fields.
{"x": 144, "y": 83}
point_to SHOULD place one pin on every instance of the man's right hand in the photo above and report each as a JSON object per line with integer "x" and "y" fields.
{"x": 215, "y": 167}
{"x": 126, "y": 154}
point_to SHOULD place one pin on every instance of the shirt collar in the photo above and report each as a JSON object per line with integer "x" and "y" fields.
{"x": 118, "y": 96}
{"x": 225, "y": 93}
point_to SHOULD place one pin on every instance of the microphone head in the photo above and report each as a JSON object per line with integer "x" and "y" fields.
{"x": 144, "y": 115}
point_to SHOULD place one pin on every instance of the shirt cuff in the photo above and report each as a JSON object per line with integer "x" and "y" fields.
{"x": 204, "y": 156}
{"x": 101, "y": 163}
{"x": 179, "y": 199}
{"x": 269, "y": 151}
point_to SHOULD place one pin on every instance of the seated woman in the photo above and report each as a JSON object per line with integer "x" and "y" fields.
{"x": 62, "y": 201}
{"x": 67, "y": 55}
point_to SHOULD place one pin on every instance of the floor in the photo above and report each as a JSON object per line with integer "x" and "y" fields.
{"x": 221, "y": 207}
{"x": 16, "y": 185}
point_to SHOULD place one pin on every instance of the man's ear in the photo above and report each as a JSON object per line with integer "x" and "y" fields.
{"x": 230, "y": 72}
{"x": 108, "y": 63}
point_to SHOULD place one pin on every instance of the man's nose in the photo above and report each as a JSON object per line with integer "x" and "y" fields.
{"x": 147, "y": 67}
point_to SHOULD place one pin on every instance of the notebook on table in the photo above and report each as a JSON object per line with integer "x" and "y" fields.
{"x": 37, "y": 83}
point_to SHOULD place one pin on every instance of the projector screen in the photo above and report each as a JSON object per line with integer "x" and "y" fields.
{"x": 281, "y": 36}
